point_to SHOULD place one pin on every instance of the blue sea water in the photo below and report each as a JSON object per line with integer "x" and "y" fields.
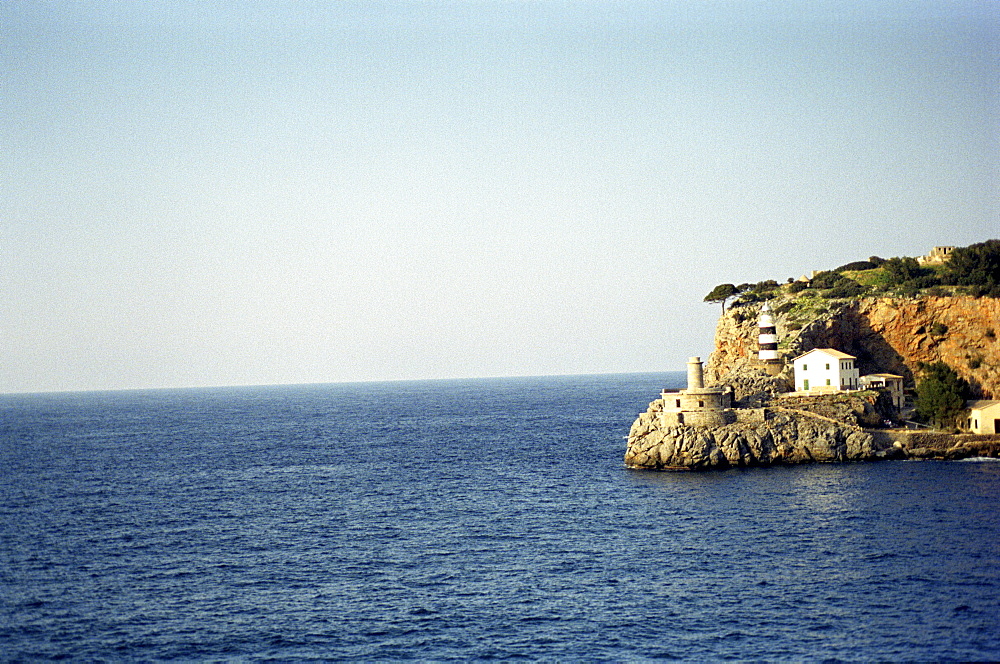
{"x": 465, "y": 520}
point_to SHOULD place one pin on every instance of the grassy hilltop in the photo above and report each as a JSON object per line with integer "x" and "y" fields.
{"x": 972, "y": 271}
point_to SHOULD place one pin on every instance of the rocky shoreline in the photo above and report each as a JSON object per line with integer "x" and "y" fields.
{"x": 777, "y": 435}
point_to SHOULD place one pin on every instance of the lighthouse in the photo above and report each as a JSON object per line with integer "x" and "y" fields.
{"x": 767, "y": 341}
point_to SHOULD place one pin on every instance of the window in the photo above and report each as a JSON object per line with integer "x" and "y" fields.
{"x": 805, "y": 367}
{"x": 827, "y": 366}
{"x": 805, "y": 385}
{"x": 701, "y": 404}
{"x": 678, "y": 403}
{"x": 827, "y": 381}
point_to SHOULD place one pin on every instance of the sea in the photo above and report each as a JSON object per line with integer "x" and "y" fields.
{"x": 469, "y": 520}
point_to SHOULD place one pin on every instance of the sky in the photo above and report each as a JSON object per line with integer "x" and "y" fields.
{"x": 265, "y": 192}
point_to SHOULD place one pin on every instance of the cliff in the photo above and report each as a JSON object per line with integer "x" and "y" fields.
{"x": 886, "y": 334}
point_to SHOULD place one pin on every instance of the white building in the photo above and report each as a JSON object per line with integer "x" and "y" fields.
{"x": 983, "y": 416}
{"x": 890, "y": 382}
{"x": 937, "y": 256}
{"x": 825, "y": 370}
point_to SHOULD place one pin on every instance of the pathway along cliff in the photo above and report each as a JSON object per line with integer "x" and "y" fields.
{"x": 767, "y": 427}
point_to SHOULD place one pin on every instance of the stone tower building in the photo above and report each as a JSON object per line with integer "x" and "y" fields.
{"x": 697, "y": 405}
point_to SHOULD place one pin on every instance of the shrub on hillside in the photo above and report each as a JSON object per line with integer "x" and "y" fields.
{"x": 926, "y": 281}
{"x": 845, "y": 288}
{"x": 825, "y": 279}
{"x": 765, "y": 286}
{"x": 784, "y": 308}
{"x": 753, "y": 296}
{"x": 797, "y": 286}
{"x": 975, "y": 265}
{"x": 856, "y": 266}
{"x": 984, "y": 291}
{"x": 903, "y": 270}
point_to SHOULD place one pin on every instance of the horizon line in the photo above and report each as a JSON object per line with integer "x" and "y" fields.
{"x": 332, "y": 382}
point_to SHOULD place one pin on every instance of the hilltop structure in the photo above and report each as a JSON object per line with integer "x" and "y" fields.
{"x": 936, "y": 256}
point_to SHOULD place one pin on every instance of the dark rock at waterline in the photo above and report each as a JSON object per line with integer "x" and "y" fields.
{"x": 771, "y": 436}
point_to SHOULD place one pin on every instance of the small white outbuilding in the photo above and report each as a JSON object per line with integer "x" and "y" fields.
{"x": 886, "y": 381}
{"x": 984, "y": 416}
{"x": 825, "y": 370}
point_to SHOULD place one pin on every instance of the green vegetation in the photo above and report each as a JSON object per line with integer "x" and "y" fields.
{"x": 721, "y": 293}
{"x": 977, "y": 267}
{"x": 859, "y": 266}
{"x": 902, "y": 270}
{"x": 825, "y": 279}
{"x": 806, "y": 307}
{"x": 845, "y": 288}
{"x": 972, "y": 270}
{"x": 762, "y": 290}
{"x": 874, "y": 277}
{"x": 941, "y": 395}
{"x": 797, "y": 286}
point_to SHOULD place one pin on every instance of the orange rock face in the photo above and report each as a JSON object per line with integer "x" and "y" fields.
{"x": 887, "y": 335}
{"x": 959, "y": 331}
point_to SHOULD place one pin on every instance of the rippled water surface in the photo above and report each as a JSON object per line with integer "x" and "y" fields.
{"x": 465, "y": 520}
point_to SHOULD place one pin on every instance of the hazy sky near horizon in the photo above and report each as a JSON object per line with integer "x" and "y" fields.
{"x": 221, "y": 193}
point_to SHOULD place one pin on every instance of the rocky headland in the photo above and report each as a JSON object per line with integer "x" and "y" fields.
{"x": 784, "y": 434}
{"x": 887, "y": 333}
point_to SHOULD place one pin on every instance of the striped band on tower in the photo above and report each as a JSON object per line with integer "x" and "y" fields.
{"x": 767, "y": 340}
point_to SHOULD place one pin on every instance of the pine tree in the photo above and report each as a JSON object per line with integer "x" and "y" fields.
{"x": 721, "y": 293}
{"x": 940, "y": 395}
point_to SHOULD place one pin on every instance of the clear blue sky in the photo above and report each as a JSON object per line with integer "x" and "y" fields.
{"x": 216, "y": 193}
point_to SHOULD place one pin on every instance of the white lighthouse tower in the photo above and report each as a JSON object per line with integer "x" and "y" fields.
{"x": 767, "y": 341}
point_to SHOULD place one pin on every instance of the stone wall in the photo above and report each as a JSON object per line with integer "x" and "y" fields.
{"x": 750, "y": 415}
